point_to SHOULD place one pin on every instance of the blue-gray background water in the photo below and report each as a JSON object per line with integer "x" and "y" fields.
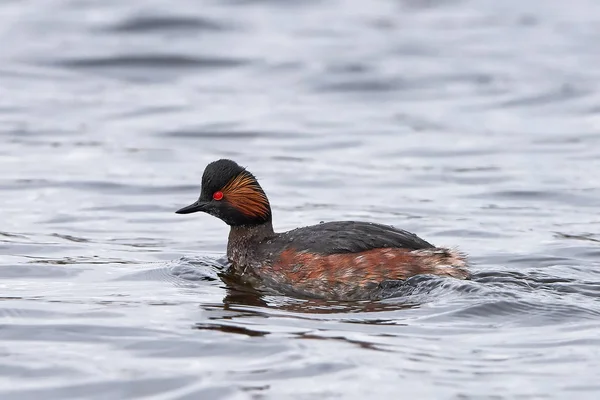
{"x": 473, "y": 123}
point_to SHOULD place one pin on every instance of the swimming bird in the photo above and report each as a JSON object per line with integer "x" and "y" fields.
{"x": 340, "y": 260}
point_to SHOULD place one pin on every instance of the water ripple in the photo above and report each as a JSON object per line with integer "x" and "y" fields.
{"x": 143, "y": 24}
{"x": 152, "y": 61}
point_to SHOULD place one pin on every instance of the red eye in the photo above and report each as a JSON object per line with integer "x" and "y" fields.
{"x": 218, "y": 195}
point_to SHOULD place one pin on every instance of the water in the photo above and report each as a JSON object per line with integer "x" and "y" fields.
{"x": 473, "y": 123}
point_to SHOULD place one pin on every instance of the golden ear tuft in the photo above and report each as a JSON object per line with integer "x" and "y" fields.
{"x": 246, "y": 195}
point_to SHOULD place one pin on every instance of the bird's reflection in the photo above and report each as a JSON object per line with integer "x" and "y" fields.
{"x": 240, "y": 295}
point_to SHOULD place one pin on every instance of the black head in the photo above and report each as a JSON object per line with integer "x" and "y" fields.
{"x": 231, "y": 193}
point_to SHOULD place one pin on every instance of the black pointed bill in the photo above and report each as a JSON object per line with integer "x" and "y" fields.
{"x": 192, "y": 208}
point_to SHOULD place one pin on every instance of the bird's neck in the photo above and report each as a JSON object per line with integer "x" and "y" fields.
{"x": 244, "y": 239}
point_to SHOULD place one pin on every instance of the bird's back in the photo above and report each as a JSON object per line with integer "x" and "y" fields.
{"x": 342, "y": 237}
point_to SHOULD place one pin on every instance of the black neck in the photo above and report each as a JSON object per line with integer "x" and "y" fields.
{"x": 244, "y": 238}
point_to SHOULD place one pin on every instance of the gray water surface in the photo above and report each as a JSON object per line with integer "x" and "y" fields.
{"x": 473, "y": 123}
